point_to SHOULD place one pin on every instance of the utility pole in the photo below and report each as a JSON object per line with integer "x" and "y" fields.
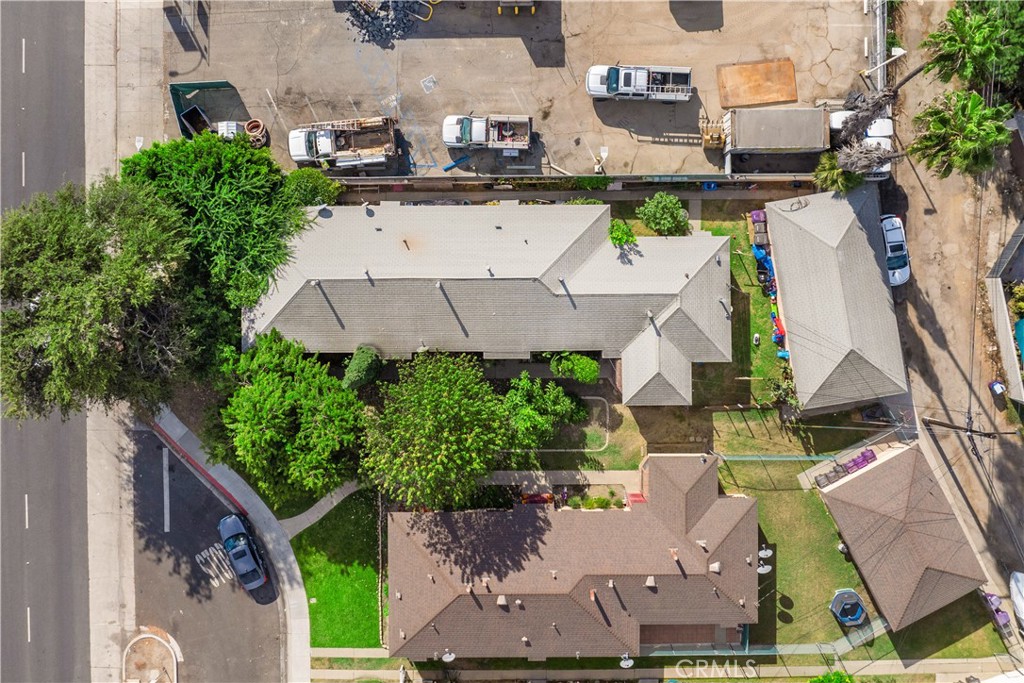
{"x": 968, "y": 430}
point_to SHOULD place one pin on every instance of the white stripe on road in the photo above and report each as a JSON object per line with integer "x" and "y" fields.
{"x": 167, "y": 496}
{"x": 22, "y": 55}
{"x": 26, "y": 510}
{"x": 28, "y": 623}
{"x": 23, "y": 169}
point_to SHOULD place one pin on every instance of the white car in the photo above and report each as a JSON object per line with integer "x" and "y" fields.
{"x": 897, "y": 260}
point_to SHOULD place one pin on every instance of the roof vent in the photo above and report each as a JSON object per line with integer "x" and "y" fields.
{"x": 497, "y": 227}
{"x": 743, "y": 602}
{"x": 750, "y": 560}
{"x": 526, "y": 641}
{"x": 401, "y": 634}
{"x": 469, "y": 588}
{"x": 715, "y": 567}
{"x": 314, "y": 283}
{"x": 431, "y": 577}
{"x": 398, "y": 595}
{"x": 674, "y": 552}
{"x": 714, "y": 589}
{"x": 519, "y": 603}
{"x": 611, "y": 583}
{"x": 554, "y": 574}
{"x": 486, "y": 582}
{"x": 502, "y": 601}
{"x": 650, "y": 314}
{"x": 703, "y": 544}
{"x": 593, "y": 595}
{"x": 650, "y": 583}
{"x": 489, "y": 271}
{"x": 438, "y": 284}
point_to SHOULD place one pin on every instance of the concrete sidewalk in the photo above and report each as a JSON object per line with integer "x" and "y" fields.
{"x": 274, "y": 537}
{"x": 695, "y": 667}
{"x": 293, "y": 526}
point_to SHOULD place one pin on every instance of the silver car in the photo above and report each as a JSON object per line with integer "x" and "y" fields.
{"x": 897, "y": 261}
{"x": 245, "y": 557}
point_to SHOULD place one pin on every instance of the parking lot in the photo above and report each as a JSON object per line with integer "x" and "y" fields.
{"x": 294, "y": 63}
{"x": 183, "y": 581}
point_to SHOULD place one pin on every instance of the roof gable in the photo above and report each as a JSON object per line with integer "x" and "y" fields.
{"x": 835, "y": 298}
{"x": 904, "y": 537}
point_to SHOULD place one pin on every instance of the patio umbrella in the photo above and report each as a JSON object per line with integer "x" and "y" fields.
{"x": 848, "y": 608}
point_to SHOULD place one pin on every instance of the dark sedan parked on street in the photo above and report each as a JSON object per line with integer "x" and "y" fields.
{"x": 246, "y": 559}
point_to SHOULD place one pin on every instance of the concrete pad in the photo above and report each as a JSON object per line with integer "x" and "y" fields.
{"x": 296, "y": 63}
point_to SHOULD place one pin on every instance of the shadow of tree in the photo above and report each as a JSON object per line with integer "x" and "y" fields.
{"x": 478, "y": 543}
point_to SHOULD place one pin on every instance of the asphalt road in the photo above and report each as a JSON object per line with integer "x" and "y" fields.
{"x": 44, "y": 596}
{"x": 42, "y": 58}
{"x": 183, "y": 583}
{"x": 44, "y": 592}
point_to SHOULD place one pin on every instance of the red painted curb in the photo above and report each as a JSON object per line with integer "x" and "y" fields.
{"x": 166, "y": 438}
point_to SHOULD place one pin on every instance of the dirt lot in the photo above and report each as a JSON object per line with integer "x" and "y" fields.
{"x": 297, "y": 62}
{"x": 955, "y": 230}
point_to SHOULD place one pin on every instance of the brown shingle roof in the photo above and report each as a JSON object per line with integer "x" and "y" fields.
{"x": 904, "y": 537}
{"x": 551, "y": 560}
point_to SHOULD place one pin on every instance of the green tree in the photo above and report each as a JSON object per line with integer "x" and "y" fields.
{"x": 664, "y": 214}
{"x": 536, "y": 409}
{"x": 233, "y": 197}
{"x": 620, "y": 233}
{"x": 959, "y": 132}
{"x": 362, "y": 368}
{"x": 966, "y": 46}
{"x": 288, "y": 425}
{"x": 583, "y": 369}
{"x": 88, "y": 313}
{"x": 592, "y": 182}
{"x": 833, "y": 677}
{"x": 829, "y": 176}
{"x": 441, "y": 429}
{"x": 583, "y": 200}
{"x": 310, "y": 187}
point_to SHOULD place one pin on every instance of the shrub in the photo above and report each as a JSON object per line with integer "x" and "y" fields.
{"x": 612, "y": 495}
{"x": 583, "y": 200}
{"x": 621, "y": 234}
{"x": 310, "y": 187}
{"x": 618, "y": 503}
{"x": 583, "y": 369}
{"x": 575, "y": 502}
{"x": 362, "y": 368}
{"x": 597, "y": 503}
{"x": 593, "y": 182}
{"x": 664, "y": 214}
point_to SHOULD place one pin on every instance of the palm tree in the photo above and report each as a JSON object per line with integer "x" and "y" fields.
{"x": 829, "y": 176}
{"x": 959, "y": 132}
{"x": 863, "y": 157}
{"x": 966, "y": 46}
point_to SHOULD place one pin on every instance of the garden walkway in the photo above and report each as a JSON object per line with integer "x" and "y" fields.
{"x": 293, "y": 526}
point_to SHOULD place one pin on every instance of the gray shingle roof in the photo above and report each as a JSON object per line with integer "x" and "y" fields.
{"x": 432, "y": 556}
{"x": 904, "y": 537}
{"x": 835, "y": 297}
{"x": 361, "y": 279}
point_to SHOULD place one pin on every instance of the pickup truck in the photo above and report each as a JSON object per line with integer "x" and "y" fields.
{"x": 352, "y": 143}
{"x": 658, "y": 83}
{"x": 497, "y": 131}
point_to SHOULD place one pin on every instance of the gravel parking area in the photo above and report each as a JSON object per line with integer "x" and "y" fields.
{"x": 294, "y": 63}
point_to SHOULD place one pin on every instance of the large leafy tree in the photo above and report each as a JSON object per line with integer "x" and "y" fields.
{"x": 959, "y": 132}
{"x": 288, "y": 425}
{"x": 89, "y": 315}
{"x": 536, "y": 409}
{"x": 238, "y": 211}
{"x": 664, "y": 214}
{"x": 441, "y": 429}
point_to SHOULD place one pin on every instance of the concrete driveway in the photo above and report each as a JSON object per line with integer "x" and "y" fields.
{"x": 295, "y": 63}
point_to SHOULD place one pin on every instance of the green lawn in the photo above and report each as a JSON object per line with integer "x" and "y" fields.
{"x": 625, "y": 443}
{"x": 809, "y": 569}
{"x": 338, "y": 559}
{"x": 760, "y": 431}
{"x": 717, "y": 382}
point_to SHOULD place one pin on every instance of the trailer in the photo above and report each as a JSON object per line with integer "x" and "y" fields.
{"x": 656, "y": 83}
{"x": 790, "y": 130}
{"x": 496, "y": 131}
{"x": 351, "y": 143}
